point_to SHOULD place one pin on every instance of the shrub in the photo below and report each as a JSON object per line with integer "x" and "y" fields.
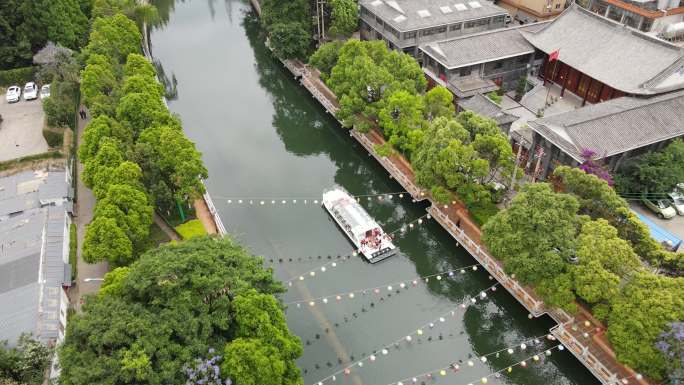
{"x": 73, "y": 248}
{"x": 53, "y": 138}
{"x": 495, "y": 97}
{"x": 190, "y": 229}
{"x": 17, "y": 76}
{"x": 60, "y": 107}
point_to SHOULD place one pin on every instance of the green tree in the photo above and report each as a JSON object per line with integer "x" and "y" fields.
{"x": 401, "y": 114}
{"x": 437, "y": 137}
{"x": 15, "y": 46}
{"x": 137, "y": 64}
{"x": 142, "y": 84}
{"x": 344, "y": 17}
{"x": 169, "y": 308}
{"x": 25, "y": 363}
{"x": 594, "y": 283}
{"x": 599, "y": 241}
{"x": 439, "y": 101}
{"x": 126, "y": 173}
{"x": 477, "y": 125}
{"x": 106, "y": 241}
{"x": 497, "y": 151}
{"x": 290, "y": 40}
{"x": 96, "y": 80}
{"x": 140, "y": 111}
{"x": 325, "y": 57}
{"x": 59, "y": 21}
{"x": 654, "y": 172}
{"x": 113, "y": 280}
{"x": 108, "y": 155}
{"x": 169, "y": 156}
{"x": 648, "y": 303}
{"x": 131, "y": 210}
{"x": 97, "y": 130}
{"x": 114, "y": 37}
{"x": 535, "y": 235}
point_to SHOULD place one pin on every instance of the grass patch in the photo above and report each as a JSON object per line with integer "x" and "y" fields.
{"x": 73, "y": 249}
{"x": 17, "y": 162}
{"x": 192, "y": 228}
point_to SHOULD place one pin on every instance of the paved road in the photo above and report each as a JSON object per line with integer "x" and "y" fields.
{"x": 21, "y": 130}
{"x": 84, "y": 214}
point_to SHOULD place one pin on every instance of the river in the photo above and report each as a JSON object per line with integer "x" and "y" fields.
{"x": 263, "y": 137}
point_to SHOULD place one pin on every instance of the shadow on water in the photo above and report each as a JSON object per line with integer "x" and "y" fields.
{"x": 266, "y": 135}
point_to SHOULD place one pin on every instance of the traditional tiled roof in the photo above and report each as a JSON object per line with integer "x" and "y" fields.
{"x": 482, "y": 105}
{"x": 410, "y": 15}
{"x": 482, "y": 47}
{"x": 615, "y": 126}
{"x": 612, "y": 53}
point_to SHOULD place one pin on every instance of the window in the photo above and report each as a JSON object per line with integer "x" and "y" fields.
{"x": 378, "y": 20}
{"x": 498, "y": 64}
{"x": 455, "y": 27}
{"x": 441, "y": 29}
{"x": 392, "y": 31}
{"x": 481, "y": 22}
{"x": 465, "y": 71}
{"x": 499, "y": 19}
{"x": 409, "y": 35}
{"x": 557, "y": 5}
{"x": 469, "y": 24}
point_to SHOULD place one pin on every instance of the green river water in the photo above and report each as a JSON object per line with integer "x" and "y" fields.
{"x": 263, "y": 136}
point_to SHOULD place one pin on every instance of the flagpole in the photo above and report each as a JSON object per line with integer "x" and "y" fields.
{"x": 548, "y": 90}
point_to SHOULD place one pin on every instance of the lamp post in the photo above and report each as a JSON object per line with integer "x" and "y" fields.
{"x": 93, "y": 279}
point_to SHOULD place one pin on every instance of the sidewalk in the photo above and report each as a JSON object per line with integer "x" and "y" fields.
{"x": 84, "y": 214}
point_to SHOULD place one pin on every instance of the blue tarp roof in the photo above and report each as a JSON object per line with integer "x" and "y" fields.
{"x": 658, "y": 233}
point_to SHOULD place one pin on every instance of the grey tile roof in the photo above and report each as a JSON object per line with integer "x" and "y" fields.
{"x": 33, "y": 243}
{"x": 403, "y": 14}
{"x": 482, "y": 47}
{"x": 612, "y": 53}
{"x": 482, "y": 105}
{"x": 615, "y": 126}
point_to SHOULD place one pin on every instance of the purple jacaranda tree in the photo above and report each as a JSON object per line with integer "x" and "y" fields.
{"x": 671, "y": 344}
{"x": 206, "y": 371}
{"x": 592, "y": 165}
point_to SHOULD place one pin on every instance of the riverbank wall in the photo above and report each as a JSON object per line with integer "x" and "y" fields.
{"x": 581, "y": 333}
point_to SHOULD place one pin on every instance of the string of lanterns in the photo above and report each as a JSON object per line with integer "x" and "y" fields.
{"x": 323, "y": 268}
{"x": 384, "y": 350}
{"x": 443, "y": 371}
{"x": 262, "y": 201}
{"x": 455, "y": 368}
{"x": 388, "y": 286}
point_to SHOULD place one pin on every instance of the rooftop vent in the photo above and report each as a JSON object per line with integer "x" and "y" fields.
{"x": 475, "y": 4}
{"x": 445, "y": 9}
{"x": 394, "y": 5}
{"x": 460, "y": 7}
{"x": 424, "y": 13}
{"x": 400, "y": 18}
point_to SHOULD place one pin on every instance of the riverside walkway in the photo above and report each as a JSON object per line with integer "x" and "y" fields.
{"x": 581, "y": 333}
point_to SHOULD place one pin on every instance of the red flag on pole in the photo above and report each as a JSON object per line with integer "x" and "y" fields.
{"x": 554, "y": 55}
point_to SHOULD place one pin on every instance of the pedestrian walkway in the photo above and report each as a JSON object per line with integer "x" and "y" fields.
{"x": 168, "y": 230}
{"x": 84, "y": 214}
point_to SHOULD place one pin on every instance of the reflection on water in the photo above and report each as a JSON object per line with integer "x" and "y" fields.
{"x": 263, "y": 136}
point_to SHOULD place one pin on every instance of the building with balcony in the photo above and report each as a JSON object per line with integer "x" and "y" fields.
{"x": 532, "y": 11}
{"x": 482, "y": 62}
{"x": 406, "y": 24}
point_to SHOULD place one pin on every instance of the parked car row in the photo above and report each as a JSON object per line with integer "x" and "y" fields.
{"x": 30, "y": 92}
{"x": 666, "y": 208}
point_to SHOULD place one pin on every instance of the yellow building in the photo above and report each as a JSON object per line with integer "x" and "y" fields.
{"x": 530, "y": 11}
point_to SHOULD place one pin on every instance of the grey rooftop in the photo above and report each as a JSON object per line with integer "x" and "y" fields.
{"x": 612, "y": 53}
{"x": 411, "y": 15}
{"x": 615, "y": 126}
{"x": 482, "y": 47}
{"x": 482, "y": 105}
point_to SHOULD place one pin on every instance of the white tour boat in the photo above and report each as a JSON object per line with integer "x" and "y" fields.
{"x": 368, "y": 237}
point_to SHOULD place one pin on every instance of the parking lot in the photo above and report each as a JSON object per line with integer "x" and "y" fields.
{"x": 674, "y": 225}
{"x": 21, "y": 130}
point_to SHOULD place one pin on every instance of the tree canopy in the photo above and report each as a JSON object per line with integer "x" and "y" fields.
{"x": 344, "y": 17}
{"x": 114, "y": 37}
{"x": 25, "y": 363}
{"x": 656, "y": 172}
{"x": 289, "y": 26}
{"x": 153, "y": 319}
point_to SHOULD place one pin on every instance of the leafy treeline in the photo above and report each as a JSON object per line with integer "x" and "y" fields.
{"x": 177, "y": 311}
{"x": 386, "y": 88}
{"x": 24, "y": 364}
{"x": 344, "y": 17}
{"x": 655, "y": 173}
{"x": 135, "y": 153}
{"x": 289, "y": 25}
{"x": 584, "y": 242}
{"x": 27, "y": 25}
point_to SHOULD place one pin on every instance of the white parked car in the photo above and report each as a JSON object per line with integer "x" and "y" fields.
{"x": 677, "y": 201}
{"x": 30, "y": 91}
{"x": 45, "y": 91}
{"x": 13, "y": 94}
